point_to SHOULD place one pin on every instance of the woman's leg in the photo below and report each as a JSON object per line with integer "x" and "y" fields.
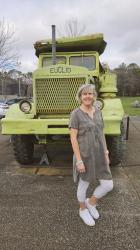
{"x": 81, "y": 192}
{"x": 101, "y": 190}
{"x": 81, "y": 196}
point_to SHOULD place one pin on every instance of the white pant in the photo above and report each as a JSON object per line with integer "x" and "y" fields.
{"x": 100, "y": 191}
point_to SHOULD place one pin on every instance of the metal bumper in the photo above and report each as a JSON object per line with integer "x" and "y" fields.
{"x": 52, "y": 126}
{"x": 35, "y": 126}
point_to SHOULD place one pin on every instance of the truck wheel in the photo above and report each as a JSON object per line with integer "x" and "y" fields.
{"x": 115, "y": 147}
{"x": 23, "y": 146}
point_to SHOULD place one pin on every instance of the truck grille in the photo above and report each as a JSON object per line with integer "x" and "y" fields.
{"x": 57, "y": 95}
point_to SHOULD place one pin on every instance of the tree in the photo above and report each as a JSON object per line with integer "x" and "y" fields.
{"x": 8, "y": 55}
{"x": 122, "y": 66}
{"x": 132, "y": 66}
{"x": 14, "y": 82}
{"x": 71, "y": 28}
{"x": 128, "y": 79}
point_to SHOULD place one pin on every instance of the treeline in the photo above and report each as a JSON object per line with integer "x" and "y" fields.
{"x": 128, "y": 79}
{"x": 15, "y": 82}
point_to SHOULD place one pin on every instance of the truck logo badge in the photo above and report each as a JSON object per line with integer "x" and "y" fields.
{"x": 60, "y": 70}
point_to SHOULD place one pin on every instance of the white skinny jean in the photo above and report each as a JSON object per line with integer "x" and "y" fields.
{"x": 100, "y": 191}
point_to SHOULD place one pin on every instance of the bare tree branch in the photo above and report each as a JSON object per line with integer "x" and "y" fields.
{"x": 72, "y": 28}
{"x": 8, "y": 55}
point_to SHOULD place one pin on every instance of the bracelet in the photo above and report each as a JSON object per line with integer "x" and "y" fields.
{"x": 79, "y": 162}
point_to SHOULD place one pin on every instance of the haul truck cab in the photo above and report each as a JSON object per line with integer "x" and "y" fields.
{"x": 54, "y": 91}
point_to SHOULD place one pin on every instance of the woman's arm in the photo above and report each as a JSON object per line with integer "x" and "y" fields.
{"x": 105, "y": 145}
{"x": 76, "y": 150}
{"x": 105, "y": 149}
{"x": 74, "y": 142}
{"x": 104, "y": 140}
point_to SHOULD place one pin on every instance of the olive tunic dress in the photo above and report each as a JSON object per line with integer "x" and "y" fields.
{"x": 91, "y": 144}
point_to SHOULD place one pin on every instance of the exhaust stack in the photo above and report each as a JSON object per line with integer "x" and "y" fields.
{"x": 53, "y": 45}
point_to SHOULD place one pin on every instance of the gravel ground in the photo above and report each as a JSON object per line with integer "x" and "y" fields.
{"x": 131, "y": 154}
{"x": 41, "y": 212}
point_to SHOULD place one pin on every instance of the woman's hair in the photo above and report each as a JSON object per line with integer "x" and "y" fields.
{"x": 85, "y": 88}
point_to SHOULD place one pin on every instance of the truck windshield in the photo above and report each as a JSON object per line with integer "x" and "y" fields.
{"x": 84, "y": 61}
{"x": 47, "y": 61}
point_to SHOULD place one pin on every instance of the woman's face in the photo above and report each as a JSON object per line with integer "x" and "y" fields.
{"x": 87, "y": 98}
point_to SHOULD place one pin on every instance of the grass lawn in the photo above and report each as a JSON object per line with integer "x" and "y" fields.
{"x": 127, "y": 105}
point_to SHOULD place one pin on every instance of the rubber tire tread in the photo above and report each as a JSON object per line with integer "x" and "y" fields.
{"x": 23, "y": 146}
{"x": 115, "y": 147}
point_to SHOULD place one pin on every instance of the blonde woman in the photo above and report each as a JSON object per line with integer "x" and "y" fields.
{"x": 91, "y": 160}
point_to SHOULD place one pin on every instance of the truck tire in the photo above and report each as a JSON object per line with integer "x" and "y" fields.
{"x": 23, "y": 146}
{"x": 115, "y": 147}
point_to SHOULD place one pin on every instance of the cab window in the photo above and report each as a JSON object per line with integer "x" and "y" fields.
{"x": 84, "y": 61}
{"x": 47, "y": 61}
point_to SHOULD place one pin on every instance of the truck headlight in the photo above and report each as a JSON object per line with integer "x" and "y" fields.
{"x": 99, "y": 103}
{"x": 25, "y": 106}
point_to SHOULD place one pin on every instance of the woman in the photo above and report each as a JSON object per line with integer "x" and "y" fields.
{"x": 91, "y": 159}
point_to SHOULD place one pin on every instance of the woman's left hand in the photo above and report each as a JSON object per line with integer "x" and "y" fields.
{"x": 107, "y": 158}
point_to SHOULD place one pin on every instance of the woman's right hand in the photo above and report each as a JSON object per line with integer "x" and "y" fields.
{"x": 81, "y": 168}
{"x": 79, "y": 164}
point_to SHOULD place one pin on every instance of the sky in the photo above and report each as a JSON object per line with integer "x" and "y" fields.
{"x": 118, "y": 20}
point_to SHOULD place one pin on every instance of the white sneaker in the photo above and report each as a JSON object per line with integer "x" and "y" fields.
{"x": 86, "y": 217}
{"x": 92, "y": 209}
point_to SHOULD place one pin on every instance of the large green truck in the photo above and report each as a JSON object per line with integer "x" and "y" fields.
{"x": 54, "y": 89}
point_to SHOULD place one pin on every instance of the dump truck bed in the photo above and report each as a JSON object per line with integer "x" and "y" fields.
{"x": 94, "y": 42}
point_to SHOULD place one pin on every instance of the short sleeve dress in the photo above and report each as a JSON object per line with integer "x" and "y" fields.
{"x": 91, "y": 144}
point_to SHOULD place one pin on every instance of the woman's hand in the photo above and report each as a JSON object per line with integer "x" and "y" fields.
{"x": 81, "y": 167}
{"x": 107, "y": 157}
